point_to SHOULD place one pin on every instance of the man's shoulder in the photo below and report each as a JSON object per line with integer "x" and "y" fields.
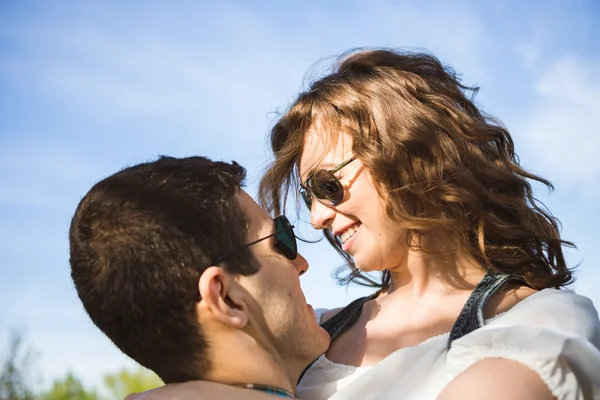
{"x": 198, "y": 390}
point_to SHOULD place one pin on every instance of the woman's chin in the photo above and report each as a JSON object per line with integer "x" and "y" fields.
{"x": 366, "y": 266}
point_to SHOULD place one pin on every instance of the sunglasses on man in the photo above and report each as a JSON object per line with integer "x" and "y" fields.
{"x": 324, "y": 186}
{"x": 285, "y": 240}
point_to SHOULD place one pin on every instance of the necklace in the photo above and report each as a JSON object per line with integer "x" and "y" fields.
{"x": 274, "y": 390}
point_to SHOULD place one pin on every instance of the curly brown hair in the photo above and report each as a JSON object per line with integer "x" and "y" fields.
{"x": 442, "y": 163}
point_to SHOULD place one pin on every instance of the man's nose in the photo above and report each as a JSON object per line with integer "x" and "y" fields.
{"x": 300, "y": 264}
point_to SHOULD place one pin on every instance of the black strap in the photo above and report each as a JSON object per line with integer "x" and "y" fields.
{"x": 345, "y": 318}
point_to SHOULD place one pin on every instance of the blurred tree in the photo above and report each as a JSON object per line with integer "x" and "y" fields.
{"x": 69, "y": 388}
{"x": 122, "y": 383}
{"x": 16, "y": 381}
{"x": 15, "y": 370}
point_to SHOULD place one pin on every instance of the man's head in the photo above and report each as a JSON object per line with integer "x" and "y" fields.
{"x": 144, "y": 242}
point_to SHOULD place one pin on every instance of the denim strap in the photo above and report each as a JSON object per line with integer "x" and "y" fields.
{"x": 471, "y": 315}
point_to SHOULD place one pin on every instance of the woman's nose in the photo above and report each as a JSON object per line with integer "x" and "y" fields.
{"x": 321, "y": 216}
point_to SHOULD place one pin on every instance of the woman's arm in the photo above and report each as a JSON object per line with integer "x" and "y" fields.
{"x": 497, "y": 378}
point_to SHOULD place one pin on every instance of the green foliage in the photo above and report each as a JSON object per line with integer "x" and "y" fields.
{"x": 122, "y": 383}
{"x": 14, "y": 370}
{"x": 69, "y": 388}
{"x": 15, "y": 379}
{"x": 115, "y": 386}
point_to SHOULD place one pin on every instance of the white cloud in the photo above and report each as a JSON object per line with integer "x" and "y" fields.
{"x": 572, "y": 80}
{"x": 562, "y": 133}
{"x": 530, "y": 50}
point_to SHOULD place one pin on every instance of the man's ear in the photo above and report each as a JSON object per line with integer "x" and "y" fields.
{"x": 223, "y": 297}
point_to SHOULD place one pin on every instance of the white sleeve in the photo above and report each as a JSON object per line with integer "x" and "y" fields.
{"x": 567, "y": 360}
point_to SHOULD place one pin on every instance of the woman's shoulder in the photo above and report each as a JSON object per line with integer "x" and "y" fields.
{"x": 560, "y": 309}
{"x": 554, "y": 332}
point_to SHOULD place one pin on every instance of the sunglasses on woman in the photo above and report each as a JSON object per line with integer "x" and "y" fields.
{"x": 324, "y": 186}
{"x": 285, "y": 240}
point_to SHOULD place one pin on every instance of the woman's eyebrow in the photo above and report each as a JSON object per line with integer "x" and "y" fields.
{"x": 310, "y": 173}
{"x": 314, "y": 170}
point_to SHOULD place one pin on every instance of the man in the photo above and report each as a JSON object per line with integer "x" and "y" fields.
{"x": 188, "y": 276}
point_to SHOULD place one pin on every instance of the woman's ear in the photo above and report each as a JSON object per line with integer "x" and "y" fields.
{"x": 222, "y": 297}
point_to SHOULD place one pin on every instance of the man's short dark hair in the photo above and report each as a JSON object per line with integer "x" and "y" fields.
{"x": 139, "y": 241}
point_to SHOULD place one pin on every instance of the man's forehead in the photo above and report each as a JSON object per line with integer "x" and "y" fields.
{"x": 255, "y": 215}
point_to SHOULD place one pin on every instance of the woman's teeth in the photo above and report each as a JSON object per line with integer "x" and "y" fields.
{"x": 348, "y": 233}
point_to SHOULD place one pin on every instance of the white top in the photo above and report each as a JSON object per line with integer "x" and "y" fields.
{"x": 556, "y": 333}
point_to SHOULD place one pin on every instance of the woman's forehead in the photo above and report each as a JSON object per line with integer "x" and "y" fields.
{"x": 322, "y": 149}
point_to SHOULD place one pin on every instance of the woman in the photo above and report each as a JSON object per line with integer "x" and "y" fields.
{"x": 407, "y": 177}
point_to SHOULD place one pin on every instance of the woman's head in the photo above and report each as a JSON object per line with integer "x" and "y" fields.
{"x": 343, "y": 200}
{"x": 427, "y": 161}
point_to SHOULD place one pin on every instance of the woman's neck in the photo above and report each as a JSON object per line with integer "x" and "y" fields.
{"x": 434, "y": 273}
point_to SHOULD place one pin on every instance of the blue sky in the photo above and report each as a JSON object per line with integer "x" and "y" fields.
{"x": 88, "y": 87}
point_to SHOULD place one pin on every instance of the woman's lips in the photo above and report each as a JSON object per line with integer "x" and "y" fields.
{"x": 350, "y": 237}
{"x": 347, "y": 233}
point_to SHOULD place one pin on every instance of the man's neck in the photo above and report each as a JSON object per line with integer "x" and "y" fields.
{"x": 238, "y": 359}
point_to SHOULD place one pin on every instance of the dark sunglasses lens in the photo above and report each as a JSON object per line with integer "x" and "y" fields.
{"x": 327, "y": 188}
{"x": 285, "y": 239}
